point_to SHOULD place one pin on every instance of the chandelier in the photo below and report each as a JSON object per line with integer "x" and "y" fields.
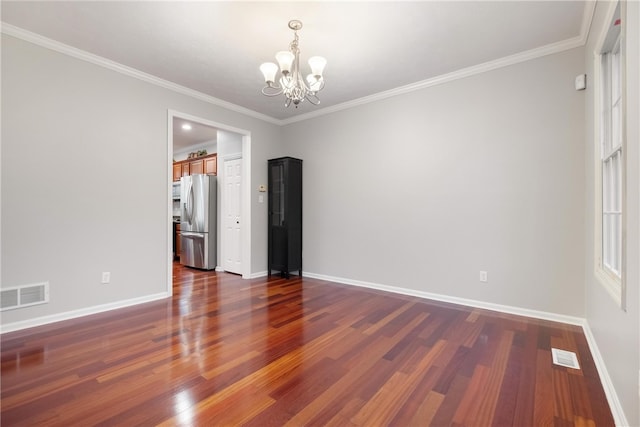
{"x": 292, "y": 85}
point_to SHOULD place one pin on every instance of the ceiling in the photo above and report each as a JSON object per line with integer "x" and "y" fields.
{"x": 371, "y": 47}
{"x": 197, "y": 135}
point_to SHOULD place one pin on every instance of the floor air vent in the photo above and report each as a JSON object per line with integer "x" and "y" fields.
{"x": 565, "y": 358}
{"x": 24, "y": 296}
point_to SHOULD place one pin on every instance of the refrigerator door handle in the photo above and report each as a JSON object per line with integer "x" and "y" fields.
{"x": 190, "y": 201}
{"x": 192, "y": 235}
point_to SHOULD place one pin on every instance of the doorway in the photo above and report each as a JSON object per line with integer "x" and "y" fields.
{"x": 232, "y": 220}
{"x": 238, "y": 148}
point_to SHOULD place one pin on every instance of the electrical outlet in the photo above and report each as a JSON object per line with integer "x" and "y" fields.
{"x": 106, "y": 277}
{"x": 484, "y": 276}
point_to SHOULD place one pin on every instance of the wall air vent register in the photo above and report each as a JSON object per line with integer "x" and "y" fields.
{"x": 24, "y": 296}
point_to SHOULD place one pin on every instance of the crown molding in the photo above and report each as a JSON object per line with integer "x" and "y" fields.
{"x": 587, "y": 19}
{"x": 45, "y": 42}
{"x": 449, "y": 77}
{"x": 549, "y": 49}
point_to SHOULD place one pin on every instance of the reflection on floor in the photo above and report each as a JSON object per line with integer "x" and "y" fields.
{"x": 227, "y": 351}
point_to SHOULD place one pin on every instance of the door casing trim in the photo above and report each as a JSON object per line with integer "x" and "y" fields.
{"x": 245, "y": 240}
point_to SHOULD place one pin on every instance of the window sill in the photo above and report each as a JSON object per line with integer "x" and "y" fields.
{"x": 612, "y": 284}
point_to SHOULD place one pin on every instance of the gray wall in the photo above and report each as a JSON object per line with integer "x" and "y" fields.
{"x": 424, "y": 190}
{"x": 617, "y": 331}
{"x": 421, "y": 191}
{"x": 84, "y": 179}
{"x": 229, "y": 143}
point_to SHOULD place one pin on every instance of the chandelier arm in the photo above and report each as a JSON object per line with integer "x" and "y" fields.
{"x": 320, "y": 88}
{"x": 313, "y": 98}
{"x": 277, "y": 91}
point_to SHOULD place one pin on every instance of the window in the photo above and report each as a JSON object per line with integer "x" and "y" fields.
{"x": 610, "y": 161}
{"x": 611, "y": 158}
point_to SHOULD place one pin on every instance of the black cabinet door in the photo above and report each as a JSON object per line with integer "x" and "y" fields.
{"x": 285, "y": 215}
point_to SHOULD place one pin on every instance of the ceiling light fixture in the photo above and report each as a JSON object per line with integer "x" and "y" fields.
{"x": 186, "y": 126}
{"x": 292, "y": 85}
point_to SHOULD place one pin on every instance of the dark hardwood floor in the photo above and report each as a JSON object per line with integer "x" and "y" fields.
{"x": 226, "y": 351}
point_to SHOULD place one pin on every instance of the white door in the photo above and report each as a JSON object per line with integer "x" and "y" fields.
{"x": 232, "y": 220}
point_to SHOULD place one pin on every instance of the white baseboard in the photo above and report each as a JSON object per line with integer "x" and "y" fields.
{"x": 614, "y": 403}
{"x": 612, "y": 397}
{"x": 45, "y": 320}
{"x": 455, "y": 300}
{"x": 258, "y": 274}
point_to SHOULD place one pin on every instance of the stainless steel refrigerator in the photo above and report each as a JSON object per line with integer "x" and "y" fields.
{"x": 198, "y": 221}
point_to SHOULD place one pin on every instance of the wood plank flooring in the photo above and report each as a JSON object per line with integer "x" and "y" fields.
{"x": 274, "y": 352}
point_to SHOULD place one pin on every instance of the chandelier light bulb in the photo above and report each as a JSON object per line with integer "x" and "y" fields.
{"x": 317, "y": 64}
{"x": 269, "y": 70}
{"x": 285, "y": 59}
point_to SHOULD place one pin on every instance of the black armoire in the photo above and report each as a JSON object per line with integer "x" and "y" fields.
{"x": 285, "y": 215}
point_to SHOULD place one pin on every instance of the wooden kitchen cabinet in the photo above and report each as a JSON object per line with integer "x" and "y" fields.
{"x": 207, "y": 165}
{"x": 211, "y": 165}
{"x": 196, "y": 167}
{"x": 177, "y": 240}
{"x": 177, "y": 171}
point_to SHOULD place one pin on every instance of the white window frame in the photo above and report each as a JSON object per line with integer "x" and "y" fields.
{"x": 610, "y": 149}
